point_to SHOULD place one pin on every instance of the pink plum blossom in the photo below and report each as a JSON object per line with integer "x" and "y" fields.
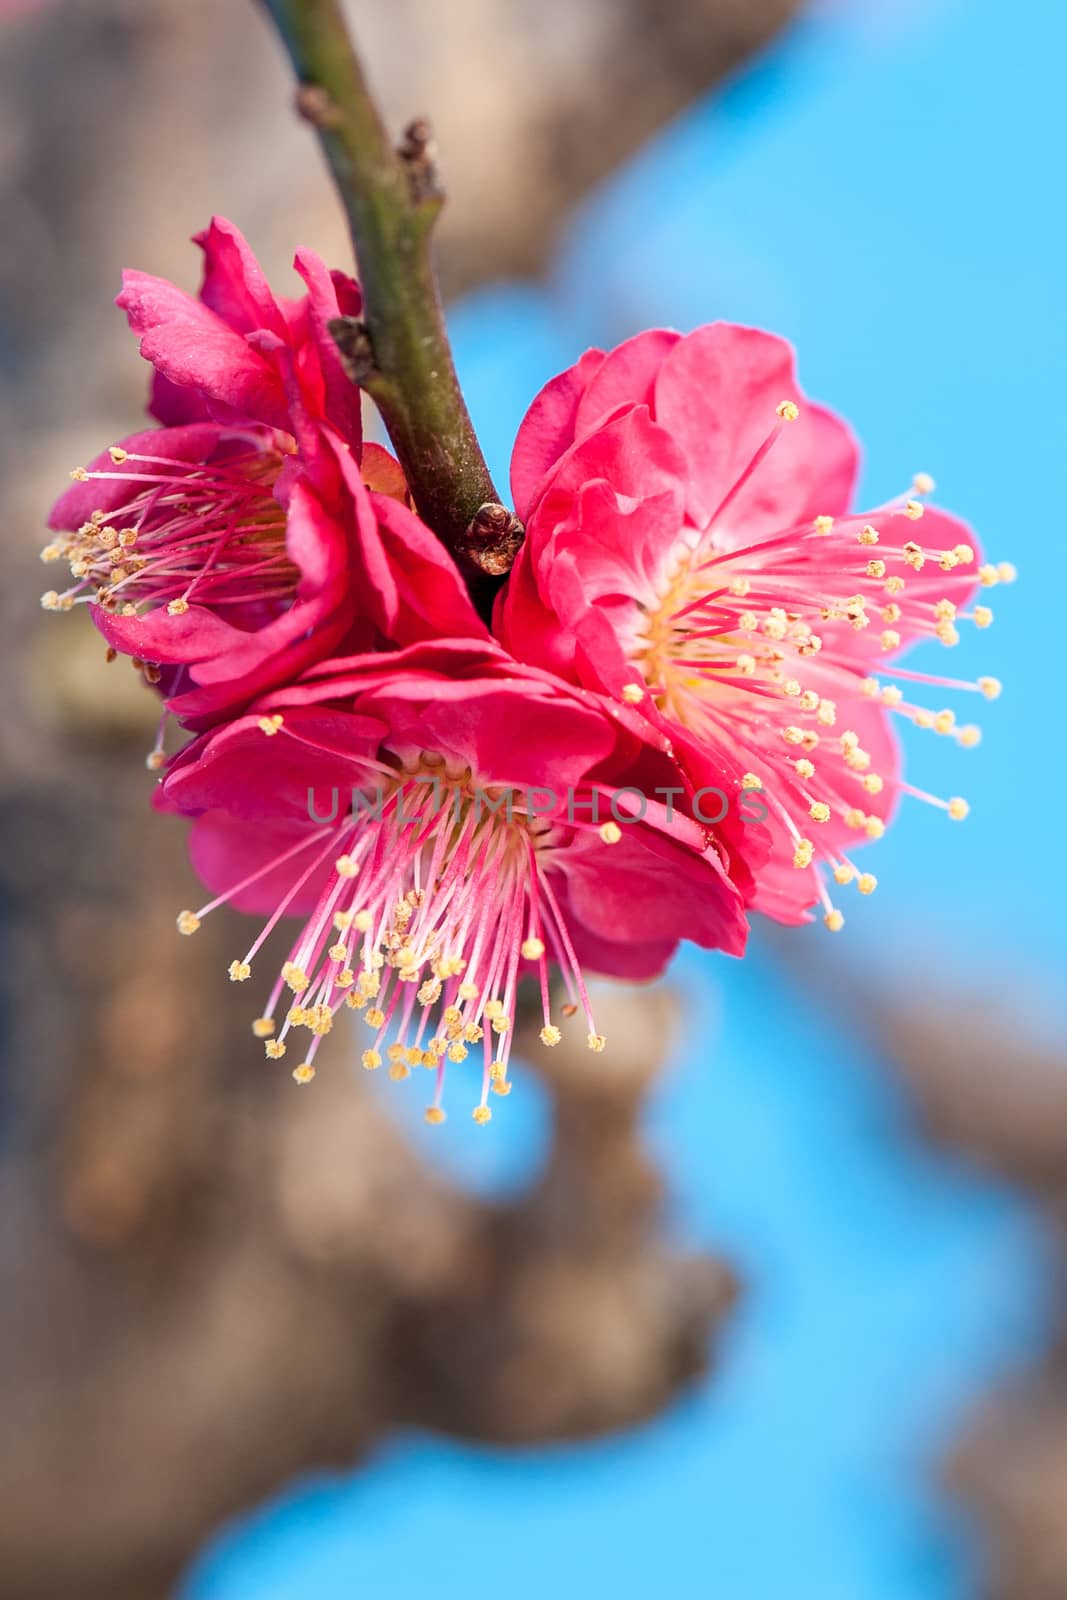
{"x": 505, "y": 821}
{"x": 692, "y": 551}
{"x": 250, "y": 534}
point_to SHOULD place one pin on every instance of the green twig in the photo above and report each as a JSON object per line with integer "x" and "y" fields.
{"x": 400, "y": 352}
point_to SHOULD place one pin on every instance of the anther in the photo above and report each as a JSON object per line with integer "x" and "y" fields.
{"x": 550, "y": 1034}
{"x": 532, "y": 949}
{"x": 187, "y": 922}
{"x": 304, "y": 1073}
{"x": 788, "y": 410}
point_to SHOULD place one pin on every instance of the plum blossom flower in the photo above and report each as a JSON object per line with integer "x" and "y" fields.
{"x": 444, "y": 822}
{"x": 252, "y": 533}
{"x": 692, "y": 551}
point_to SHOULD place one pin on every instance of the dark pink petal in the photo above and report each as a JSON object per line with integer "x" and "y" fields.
{"x": 433, "y": 599}
{"x": 260, "y": 777}
{"x": 647, "y": 887}
{"x": 509, "y": 734}
{"x": 234, "y": 285}
{"x": 340, "y": 398}
{"x": 528, "y": 626}
{"x": 225, "y": 851}
{"x": 174, "y": 404}
{"x": 635, "y": 961}
{"x": 191, "y": 346}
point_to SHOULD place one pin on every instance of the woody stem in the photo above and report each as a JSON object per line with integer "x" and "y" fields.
{"x": 400, "y": 353}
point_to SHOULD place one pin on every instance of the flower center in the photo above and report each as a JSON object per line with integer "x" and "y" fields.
{"x": 209, "y": 534}
{"x": 437, "y": 896}
{"x": 751, "y": 648}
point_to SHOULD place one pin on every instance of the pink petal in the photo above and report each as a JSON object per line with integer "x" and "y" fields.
{"x": 626, "y": 377}
{"x": 717, "y": 394}
{"x": 527, "y": 626}
{"x": 547, "y": 430}
{"x": 632, "y": 452}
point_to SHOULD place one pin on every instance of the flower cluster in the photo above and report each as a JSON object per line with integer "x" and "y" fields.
{"x": 680, "y": 716}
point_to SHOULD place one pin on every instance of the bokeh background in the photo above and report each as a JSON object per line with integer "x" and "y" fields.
{"x": 872, "y": 1130}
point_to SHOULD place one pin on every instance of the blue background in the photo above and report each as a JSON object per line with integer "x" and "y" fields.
{"x": 885, "y": 189}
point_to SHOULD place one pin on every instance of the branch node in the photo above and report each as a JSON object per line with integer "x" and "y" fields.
{"x": 317, "y": 106}
{"x": 493, "y": 538}
{"x": 352, "y": 338}
{"x": 417, "y": 152}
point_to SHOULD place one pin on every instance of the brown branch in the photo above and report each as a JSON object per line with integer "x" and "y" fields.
{"x": 403, "y": 359}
